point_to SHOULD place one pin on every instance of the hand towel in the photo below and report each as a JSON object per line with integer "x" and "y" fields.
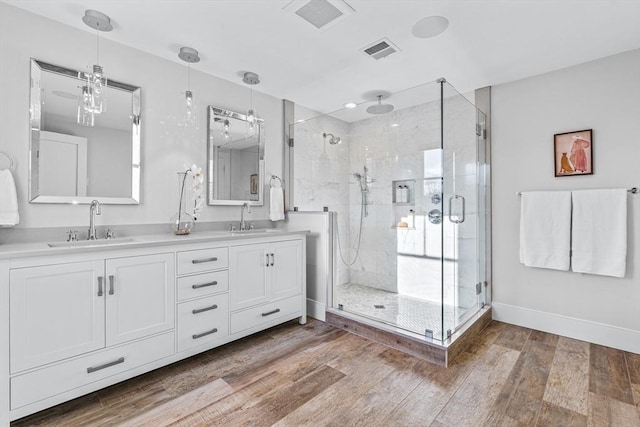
{"x": 276, "y": 205}
{"x": 8, "y": 200}
{"x": 599, "y": 232}
{"x": 545, "y": 229}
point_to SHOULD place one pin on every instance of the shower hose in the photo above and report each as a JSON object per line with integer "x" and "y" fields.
{"x": 355, "y": 258}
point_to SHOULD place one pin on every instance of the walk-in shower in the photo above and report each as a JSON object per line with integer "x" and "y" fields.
{"x": 409, "y": 247}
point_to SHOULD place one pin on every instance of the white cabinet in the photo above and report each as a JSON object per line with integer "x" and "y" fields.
{"x": 266, "y": 283}
{"x": 140, "y": 297}
{"x": 60, "y": 311}
{"x": 249, "y": 265}
{"x": 56, "y": 311}
{"x": 203, "y": 299}
{"x": 78, "y": 322}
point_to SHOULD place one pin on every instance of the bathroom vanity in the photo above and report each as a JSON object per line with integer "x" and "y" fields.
{"x": 79, "y": 317}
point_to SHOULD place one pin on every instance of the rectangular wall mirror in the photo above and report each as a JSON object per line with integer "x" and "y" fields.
{"x": 73, "y": 163}
{"x": 235, "y": 158}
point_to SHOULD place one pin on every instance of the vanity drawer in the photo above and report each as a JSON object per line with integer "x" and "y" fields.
{"x": 203, "y": 284}
{"x": 202, "y": 260}
{"x": 265, "y": 313}
{"x": 46, "y": 382}
{"x": 203, "y": 321}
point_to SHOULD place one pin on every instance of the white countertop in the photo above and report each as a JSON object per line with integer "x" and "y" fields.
{"x": 20, "y": 250}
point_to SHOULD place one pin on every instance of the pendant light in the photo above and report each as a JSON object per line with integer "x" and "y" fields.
{"x": 251, "y": 79}
{"x": 190, "y": 56}
{"x": 93, "y": 96}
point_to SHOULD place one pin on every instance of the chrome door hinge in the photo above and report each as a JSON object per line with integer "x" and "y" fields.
{"x": 478, "y": 288}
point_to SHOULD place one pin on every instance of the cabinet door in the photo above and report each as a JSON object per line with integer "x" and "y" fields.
{"x": 248, "y": 266}
{"x": 140, "y": 296}
{"x": 286, "y": 271}
{"x": 56, "y": 312}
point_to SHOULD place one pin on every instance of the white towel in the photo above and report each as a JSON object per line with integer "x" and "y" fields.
{"x": 8, "y": 200}
{"x": 599, "y": 232}
{"x": 545, "y": 229}
{"x": 276, "y": 205}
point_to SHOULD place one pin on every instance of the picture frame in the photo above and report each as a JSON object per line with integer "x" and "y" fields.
{"x": 253, "y": 183}
{"x": 573, "y": 153}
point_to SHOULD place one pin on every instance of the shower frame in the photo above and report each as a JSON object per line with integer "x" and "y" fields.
{"x": 448, "y": 331}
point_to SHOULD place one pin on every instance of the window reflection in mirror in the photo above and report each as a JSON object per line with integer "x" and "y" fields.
{"x": 236, "y": 158}
{"x": 72, "y": 163}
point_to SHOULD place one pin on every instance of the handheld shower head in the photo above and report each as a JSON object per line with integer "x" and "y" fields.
{"x": 333, "y": 140}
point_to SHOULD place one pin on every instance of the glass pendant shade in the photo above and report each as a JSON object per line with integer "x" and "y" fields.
{"x": 251, "y": 122}
{"x": 85, "y": 109}
{"x": 190, "y": 110}
{"x": 98, "y": 89}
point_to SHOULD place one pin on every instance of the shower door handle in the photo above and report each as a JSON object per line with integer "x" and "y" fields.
{"x": 456, "y": 221}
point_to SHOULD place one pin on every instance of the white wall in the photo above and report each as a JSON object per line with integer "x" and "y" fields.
{"x": 602, "y": 95}
{"x": 165, "y": 146}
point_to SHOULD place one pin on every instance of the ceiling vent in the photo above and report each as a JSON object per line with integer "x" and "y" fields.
{"x": 320, "y": 13}
{"x": 380, "y": 49}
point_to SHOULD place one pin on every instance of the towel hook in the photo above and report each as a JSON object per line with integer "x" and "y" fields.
{"x": 9, "y": 157}
{"x": 274, "y": 178}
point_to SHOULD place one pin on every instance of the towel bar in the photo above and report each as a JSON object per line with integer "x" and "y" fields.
{"x": 632, "y": 190}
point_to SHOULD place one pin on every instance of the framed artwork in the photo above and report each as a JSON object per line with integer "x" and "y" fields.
{"x": 254, "y": 183}
{"x": 573, "y": 153}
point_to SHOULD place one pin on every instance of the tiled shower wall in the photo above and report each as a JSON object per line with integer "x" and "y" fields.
{"x": 391, "y": 146}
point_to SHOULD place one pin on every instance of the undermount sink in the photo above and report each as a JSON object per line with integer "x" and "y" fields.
{"x": 256, "y": 231}
{"x": 86, "y": 243}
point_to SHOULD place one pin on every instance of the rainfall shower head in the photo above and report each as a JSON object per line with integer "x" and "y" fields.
{"x": 380, "y": 108}
{"x": 333, "y": 140}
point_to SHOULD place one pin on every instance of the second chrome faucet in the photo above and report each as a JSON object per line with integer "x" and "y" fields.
{"x": 94, "y": 210}
{"x": 243, "y": 225}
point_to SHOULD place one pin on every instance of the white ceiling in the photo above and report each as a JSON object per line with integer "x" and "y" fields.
{"x": 488, "y": 42}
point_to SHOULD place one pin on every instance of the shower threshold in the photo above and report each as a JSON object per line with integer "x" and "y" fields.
{"x": 432, "y": 350}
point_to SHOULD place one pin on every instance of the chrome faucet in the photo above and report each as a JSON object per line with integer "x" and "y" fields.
{"x": 243, "y": 225}
{"x": 94, "y": 210}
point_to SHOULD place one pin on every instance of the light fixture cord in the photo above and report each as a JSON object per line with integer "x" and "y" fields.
{"x": 188, "y": 77}
{"x": 97, "y": 47}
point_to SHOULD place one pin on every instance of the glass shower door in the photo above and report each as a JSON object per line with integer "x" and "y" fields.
{"x": 461, "y": 285}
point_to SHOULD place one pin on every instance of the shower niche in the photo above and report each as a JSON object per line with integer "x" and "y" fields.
{"x": 403, "y": 192}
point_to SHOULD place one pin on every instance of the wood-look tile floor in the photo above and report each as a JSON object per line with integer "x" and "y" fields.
{"x": 317, "y": 375}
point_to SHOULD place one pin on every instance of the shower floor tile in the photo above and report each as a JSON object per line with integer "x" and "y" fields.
{"x": 409, "y": 313}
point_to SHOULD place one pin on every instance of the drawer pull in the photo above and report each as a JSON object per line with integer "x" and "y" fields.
{"x": 100, "y": 279}
{"x": 111, "y": 290}
{"x": 269, "y": 313}
{"x": 201, "y": 310}
{"x": 91, "y": 369}
{"x": 200, "y": 261}
{"x": 204, "y": 334}
{"x": 204, "y": 285}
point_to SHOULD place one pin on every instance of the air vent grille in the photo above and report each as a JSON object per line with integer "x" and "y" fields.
{"x": 380, "y": 49}
{"x": 377, "y": 48}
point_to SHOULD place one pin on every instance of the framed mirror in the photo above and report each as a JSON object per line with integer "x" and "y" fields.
{"x": 235, "y": 158}
{"x": 74, "y": 163}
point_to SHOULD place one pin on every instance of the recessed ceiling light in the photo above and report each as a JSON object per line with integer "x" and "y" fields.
{"x": 430, "y": 27}
{"x": 350, "y": 105}
{"x": 394, "y": 125}
{"x": 300, "y": 121}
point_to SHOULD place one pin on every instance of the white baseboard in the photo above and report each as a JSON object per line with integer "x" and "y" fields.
{"x": 316, "y": 310}
{"x": 585, "y": 330}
